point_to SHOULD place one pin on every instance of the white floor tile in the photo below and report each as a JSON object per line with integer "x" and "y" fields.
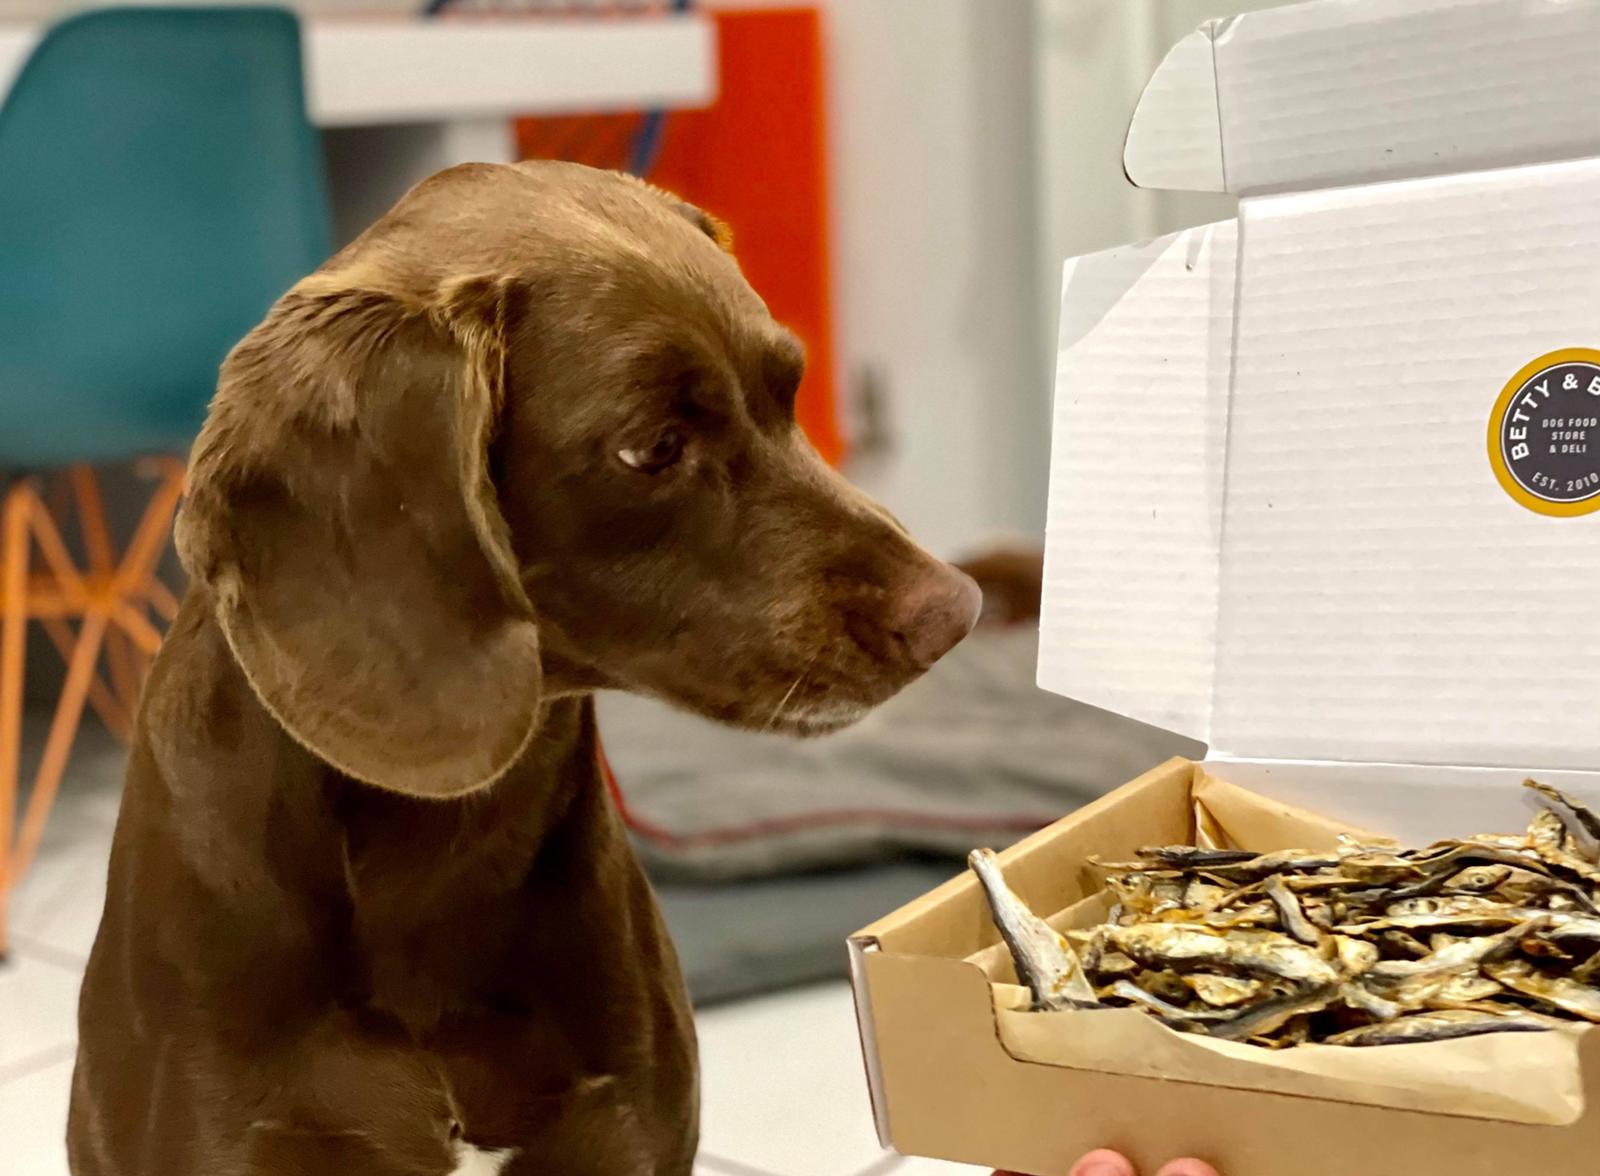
{"x": 38, "y": 1009}
{"x": 709, "y": 1165}
{"x": 783, "y": 1085}
{"x": 55, "y": 909}
{"x": 33, "y": 1120}
{"x": 92, "y": 785}
{"x": 71, "y": 919}
{"x": 61, "y": 896}
{"x": 917, "y": 1166}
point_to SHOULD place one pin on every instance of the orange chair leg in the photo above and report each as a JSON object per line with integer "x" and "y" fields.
{"x": 120, "y": 658}
{"x": 134, "y": 624}
{"x": 151, "y": 535}
{"x": 113, "y": 598}
{"x": 19, "y": 504}
{"x": 63, "y": 728}
{"x": 162, "y": 600}
{"x": 53, "y": 552}
{"x": 106, "y": 704}
{"x": 136, "y": 577}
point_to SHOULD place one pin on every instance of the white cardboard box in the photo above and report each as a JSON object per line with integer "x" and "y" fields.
{"x": 1321, "y": 496}
{"x": 1275, "y": 524}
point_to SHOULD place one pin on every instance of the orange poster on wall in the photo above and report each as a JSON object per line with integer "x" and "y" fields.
{"x": 757, "y": 159}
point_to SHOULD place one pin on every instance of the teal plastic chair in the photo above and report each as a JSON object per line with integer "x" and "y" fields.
{"x": 160, "y": 186}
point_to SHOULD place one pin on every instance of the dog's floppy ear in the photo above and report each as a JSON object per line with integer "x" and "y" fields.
{"x": 341, "y": 511}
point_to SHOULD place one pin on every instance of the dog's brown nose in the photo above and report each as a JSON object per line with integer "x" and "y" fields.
{"x": 936, "y": 613}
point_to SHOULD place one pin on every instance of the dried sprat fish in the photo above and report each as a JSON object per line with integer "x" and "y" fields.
{"x": 1440, "y": 1026}
{"x": 1548, "y": 833}
{"x": 1525, "y": 887}
{"x": 1479, "y": 879}
{"x": 1128, "y": 991}
{"x": 1461, "y": 904}
{"x": 1567, "y": 995}
{"x": 1201, "y": 895}
{"x": 1237, "y": 1024}
{"x": 1223, "y": 992}
{"x": 1455, "y": 957}
{"x": 1265, "y": 1017}
{"x": 1188, "y": 857}
{"x": 1428, "y": 991}
{"x": 1563, "y": 867}
{"x": 1296, "y": 1032}
{"x": 1568, "y": 927}
{"x": 1363, "y": 1000}
{"x": 1254, "y": 953}
{"x": 1291, "y": 913}
{"x": 1164, "y": 983}
{"x": 1045, "y": 960}
{"x": 1256, "y": 914}
{"x": 1401, "y": 945}
{"x": 1355, "y": 957}
{"x": 1537, "y": 948}
{"x": 1114, "y": 963}
{"x": 1266, "y": 864}
{"x": 1588, "y": 971}
{"x": 1464, "y": 991}
{"x": 1581, "y": 824}
{"x": 1362, "y": 945}
{"x": 1321, "y": 915}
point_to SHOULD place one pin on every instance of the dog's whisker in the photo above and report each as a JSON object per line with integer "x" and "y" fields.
{"x": 777, "y": 711}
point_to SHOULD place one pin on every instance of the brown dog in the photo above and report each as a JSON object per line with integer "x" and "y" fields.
{"x": 370, "y": 911}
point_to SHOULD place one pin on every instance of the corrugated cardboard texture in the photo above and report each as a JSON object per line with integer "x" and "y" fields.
{"x": 1175, "y": 140}
{"x": 1136, "y": 478}
{"x": 1319, "y": 94}
{"x": 948, "y": 1087}
{"x": 1513, "y": 1077}
{"x": 953, "y": 921}
{"x": 1413, "y": 804}
{"x": 1523, "y": 1080}
{"x": 1273, "y": 524}
{"x": 1382, "y": 598}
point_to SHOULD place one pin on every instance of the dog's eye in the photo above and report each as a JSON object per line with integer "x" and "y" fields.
{"x": 660, "y": 455}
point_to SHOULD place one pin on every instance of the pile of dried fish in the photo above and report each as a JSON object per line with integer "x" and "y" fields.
{"x": 1363, "y": 945}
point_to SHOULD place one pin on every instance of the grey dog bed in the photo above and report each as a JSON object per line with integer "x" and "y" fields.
{"x": 972, "y": 754}
{"x": 772, "y": 933}
{"x": 768, "y": 851}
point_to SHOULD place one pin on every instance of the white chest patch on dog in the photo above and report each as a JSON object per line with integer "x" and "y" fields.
{"x": 474, "y": 1161}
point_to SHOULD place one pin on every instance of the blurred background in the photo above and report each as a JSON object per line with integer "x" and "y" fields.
{"x": 903, "y": 179}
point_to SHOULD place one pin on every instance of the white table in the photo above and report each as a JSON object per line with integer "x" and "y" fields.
{"x": 401, "y": 98}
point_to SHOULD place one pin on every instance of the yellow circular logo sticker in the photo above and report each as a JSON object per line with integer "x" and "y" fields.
{"x": 1544, "y": 434}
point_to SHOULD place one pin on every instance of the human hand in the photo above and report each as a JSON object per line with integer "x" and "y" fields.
{"x": 1109, "y": 1163}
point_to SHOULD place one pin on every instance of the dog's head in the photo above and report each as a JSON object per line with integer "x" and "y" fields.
{"x": 533, "y": 433}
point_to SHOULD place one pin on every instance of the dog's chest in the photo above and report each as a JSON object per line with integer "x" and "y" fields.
{"x": 476, "y": 1161}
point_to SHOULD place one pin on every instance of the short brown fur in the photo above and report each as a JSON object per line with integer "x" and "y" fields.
{"x": 530, "y": 436}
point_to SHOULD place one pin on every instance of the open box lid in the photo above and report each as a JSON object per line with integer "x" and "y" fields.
{"x": 1274, "y": 523}
{"x": 1353, "y": 91}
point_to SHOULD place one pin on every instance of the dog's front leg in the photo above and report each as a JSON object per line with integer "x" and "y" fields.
{"x": 284, "y": 1149}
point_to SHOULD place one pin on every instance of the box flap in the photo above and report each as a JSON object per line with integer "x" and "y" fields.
{"x": 1353, "y": 91}
{"x": 1274, "y": 520}
{"x": 1129, "y": 619}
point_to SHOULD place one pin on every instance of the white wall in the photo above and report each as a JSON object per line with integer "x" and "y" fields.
{"x": 1094, "y": 57}
{"x": 935, "y": 251}
{"x": 977, "y": 144}
{"x": 934, "y": 258}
